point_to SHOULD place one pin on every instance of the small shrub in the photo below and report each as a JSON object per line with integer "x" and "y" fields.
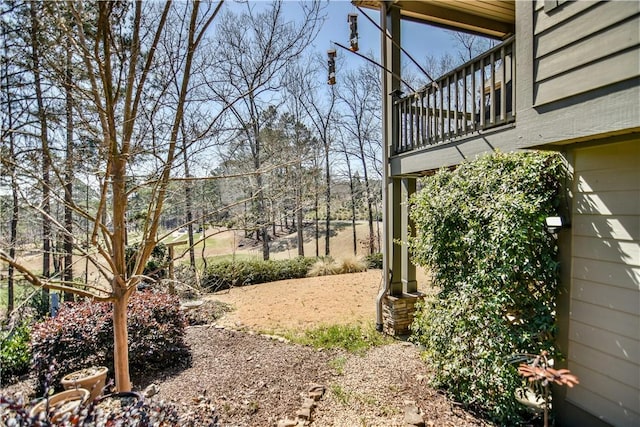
{"x": 352, "y": 265}
{"x": 374, "y": 260}
{"x": 15, "y": 353}
{"x": 156, "y": 267}
{"x": 81, "y": 335}
{"x": 143, "y": 413}
{"x": 228, "y": 274}
{"x": 324, "y": 266}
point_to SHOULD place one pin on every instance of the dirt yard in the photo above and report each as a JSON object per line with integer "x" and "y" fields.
{"x": 258, "y": 380}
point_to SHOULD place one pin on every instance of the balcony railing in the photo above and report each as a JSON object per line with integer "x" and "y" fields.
{"x": 475, "y": 96}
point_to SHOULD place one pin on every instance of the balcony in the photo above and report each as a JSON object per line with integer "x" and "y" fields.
{"x": 475, "y": 97}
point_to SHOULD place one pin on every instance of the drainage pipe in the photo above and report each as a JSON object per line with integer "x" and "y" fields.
{"x": 387, "y": 116}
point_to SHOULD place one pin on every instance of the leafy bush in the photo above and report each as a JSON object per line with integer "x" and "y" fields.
{"x": 156, "y": 266}
{"x": 15, "y": 353}
{"x": 374, "y": 260}
{"x": 481, "y": 232}
{"x": 15, "y": 412}
{"x": 81, "y": 335}
{"x": 227, "y": 274}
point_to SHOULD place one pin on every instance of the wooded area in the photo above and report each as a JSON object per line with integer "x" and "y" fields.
{"x": 123, "y": 122}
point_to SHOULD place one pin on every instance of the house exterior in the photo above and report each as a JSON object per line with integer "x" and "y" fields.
{"x": 565, "y": 77}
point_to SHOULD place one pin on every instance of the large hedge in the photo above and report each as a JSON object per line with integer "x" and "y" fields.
{"x": 227, "y": 274}
{"x": 481, "y": 233}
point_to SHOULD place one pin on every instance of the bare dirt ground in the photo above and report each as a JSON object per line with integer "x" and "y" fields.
{"x": 257, "y": 380}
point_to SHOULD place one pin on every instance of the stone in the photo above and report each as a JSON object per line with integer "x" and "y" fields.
{"x": 412, "y": 416}
{"x": 287, "y": 423}
{"x": 304, "y": 413}
{"x": 309, "y": 403}
{"x": 151, "y": 390}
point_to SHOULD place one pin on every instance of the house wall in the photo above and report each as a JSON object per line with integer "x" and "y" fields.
{"x": 582, "y": 46}
{"x": 574, "y": 82}
{"x": 604, "y": 302}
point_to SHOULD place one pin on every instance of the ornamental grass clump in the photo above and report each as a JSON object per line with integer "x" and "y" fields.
{"x": 480, "y": 231}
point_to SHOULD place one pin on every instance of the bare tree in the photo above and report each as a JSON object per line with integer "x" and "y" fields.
{"x": 252, "y": 57}
{"x": 118, "y": 52}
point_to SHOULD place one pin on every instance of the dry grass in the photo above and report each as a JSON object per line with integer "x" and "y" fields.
{"x": 325, "y": 266}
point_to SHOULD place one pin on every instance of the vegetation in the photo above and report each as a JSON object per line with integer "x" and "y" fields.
{"x": 326, "y": 266}
{"x": 15, "y": 353}
{"x": 353, "y": 338}
{"x": 143, "y": 413}
{"x": 81, "y": 335}
{"x": 228, "y": 274}
{"x": 481, "y": 233}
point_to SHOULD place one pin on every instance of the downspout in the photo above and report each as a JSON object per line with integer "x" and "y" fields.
{"x": 386, "y": 276}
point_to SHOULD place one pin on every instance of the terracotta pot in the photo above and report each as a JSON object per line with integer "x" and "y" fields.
{"x": 118, "y": 402}
{"x": 92, "y": 379}
{"x": 59, "y": 404}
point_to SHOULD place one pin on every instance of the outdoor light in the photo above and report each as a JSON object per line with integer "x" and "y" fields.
{"x": 331, "y": 53}
{"x": 553, "y": 224}
{"x": 352, "y": 19}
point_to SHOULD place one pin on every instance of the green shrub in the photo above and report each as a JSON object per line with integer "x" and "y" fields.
{"x": 156, "y": 267}
{"x": 374, "y": 260}
{"x": 227, "y": 274}
{"x": 481, "y": 233}
{"x": 81, "y": 335}
{"x": 15, "y": 353}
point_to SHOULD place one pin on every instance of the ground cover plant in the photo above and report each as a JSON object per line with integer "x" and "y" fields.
{"x": 81, "y": 335}
{"x": 481, "y": 233}
{"x": 354, "y": 338}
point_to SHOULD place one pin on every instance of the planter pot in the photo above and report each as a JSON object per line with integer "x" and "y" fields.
{"x": 118, "y": 402}
{"x": 58, "y": 405}
{"x": 528, "y": 398}
{"x": 92, "y": 379}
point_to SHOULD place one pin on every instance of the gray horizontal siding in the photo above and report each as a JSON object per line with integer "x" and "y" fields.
{"x": 584, "y": 46}
{"x": 604, "y": 325}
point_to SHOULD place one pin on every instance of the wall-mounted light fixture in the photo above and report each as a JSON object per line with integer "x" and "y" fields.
{"x": 553, "y": 224}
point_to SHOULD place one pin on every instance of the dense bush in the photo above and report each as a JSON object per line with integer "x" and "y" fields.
{"x": 14, "y": 352}
{"x": 374, "y": 260}
{"x": 81, "y": 335}
{"x": 481, "y": 233}
{"x": 156, "y": 267}
{"x": 227, "y": 274}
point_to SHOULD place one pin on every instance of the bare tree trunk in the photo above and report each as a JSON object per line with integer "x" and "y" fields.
{"x": 187, "y": 199}
{"x": 68, "y": 194}
{"x": 44, "y": 141}
{"x": 15, "y": 211}
{"x": 327, "y": 199}
{"x": 120, "y": 341}
{"x": 299, "y": 215}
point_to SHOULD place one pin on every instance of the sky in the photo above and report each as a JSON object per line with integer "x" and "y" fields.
{"x": 418, "y": 40}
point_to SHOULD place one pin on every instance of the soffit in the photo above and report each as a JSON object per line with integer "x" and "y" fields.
{"x": 495, "y": 18}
